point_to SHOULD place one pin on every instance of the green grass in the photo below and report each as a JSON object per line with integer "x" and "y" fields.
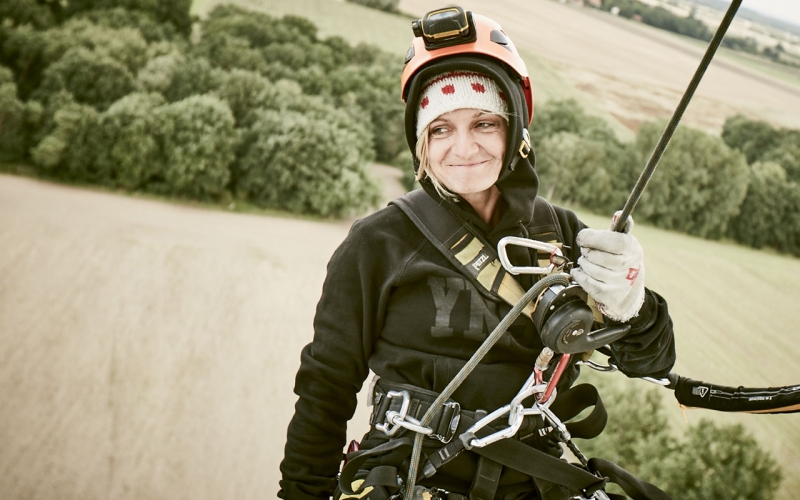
{"x": 733, "y": 311}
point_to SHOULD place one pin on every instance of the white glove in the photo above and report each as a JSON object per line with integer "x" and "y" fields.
{"x": 611, "y": 271}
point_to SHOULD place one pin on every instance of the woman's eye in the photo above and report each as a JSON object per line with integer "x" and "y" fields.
{"x": 486, "y": 125}
{"x": 438, "y": 130}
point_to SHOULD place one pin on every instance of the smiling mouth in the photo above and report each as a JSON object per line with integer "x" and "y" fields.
{"x": 468, "y": 165}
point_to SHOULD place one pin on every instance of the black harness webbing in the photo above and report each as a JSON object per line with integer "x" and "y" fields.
{"x": 475, "y": 258}
{"x": 555, "y": 478}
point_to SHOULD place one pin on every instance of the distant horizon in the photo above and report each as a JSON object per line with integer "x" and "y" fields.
{"x": 783, "y": 10}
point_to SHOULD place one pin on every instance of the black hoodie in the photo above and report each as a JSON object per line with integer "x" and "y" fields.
{"x": 394, "y": 304}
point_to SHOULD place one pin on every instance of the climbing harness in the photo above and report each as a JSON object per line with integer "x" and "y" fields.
{"x": 399, "y": 410}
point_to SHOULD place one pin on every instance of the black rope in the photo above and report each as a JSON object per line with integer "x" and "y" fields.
{"x": 652, "y": 163}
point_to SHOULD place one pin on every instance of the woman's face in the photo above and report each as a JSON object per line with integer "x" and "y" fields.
{"x": 465, "y": 149}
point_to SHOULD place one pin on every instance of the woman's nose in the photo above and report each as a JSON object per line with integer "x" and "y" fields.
{"x": 465, "y": 144}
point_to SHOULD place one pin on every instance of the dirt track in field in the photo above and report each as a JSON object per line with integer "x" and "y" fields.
{"x": 148, "y": 349}
{"x": 634, "y": 72}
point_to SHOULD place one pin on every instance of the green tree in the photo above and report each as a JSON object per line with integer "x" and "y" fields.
{"x": 716, "y": 461}
{"x": 23, "y": 50}
{"x": 567, "y": 116}
{"x": 769, "y": 212}
{"x": 637, "y": 436}
{"x": 699, "y": 185}
{"x": 118, "y": 17}
{"x": 12, "y": 120}
{"x": 244, "y": 91}
{"x": 385, "y": 5}
{"x": 131, "y": 155}
{"x": 156, "y": 76}
{"x": 70, "y": 150}
{"x": 304, "y": 164}
{"x": 125, "y": 45}
{"x": 786, "y": 152}
{"x": 751, "y": 137}
{"x": 39, "y": 15}
{"x": 90, "y": 77}
{"x": 199, "y": 141}
{"x": 193, "y": 76}
{"x": 707, "y": 461}
{"x": 175, "y": 12}
{"x": 226, "y": 51}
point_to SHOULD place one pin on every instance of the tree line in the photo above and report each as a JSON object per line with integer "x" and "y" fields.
{"x": 113, "y": 92}
{"x": 744, "y": 185}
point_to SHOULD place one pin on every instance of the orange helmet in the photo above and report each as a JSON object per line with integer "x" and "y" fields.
{"x": 453, "y": 39}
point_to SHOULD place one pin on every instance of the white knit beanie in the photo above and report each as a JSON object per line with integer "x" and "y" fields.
{"x": 459, "y": 90}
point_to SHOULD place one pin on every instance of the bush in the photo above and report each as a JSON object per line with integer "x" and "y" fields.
{"x": 385, "y": 5}
{"x": 259, "y": 29}
{"x": 707, "y": 461}
{"x": 193, "y": 76}
{"x": 124, "y": 45}
{"x": 304, "y": 164}
{"x": 243, "y": 91}
{"x": 157, "y": 74}
{"x": 90, "y": 77}
{"x": 118, "y": 17}
{"x": 718, "y": 461}
{"x": 200, "y": 141}
{"x": 131, "y": 154}
{"x": 567, "y": 116}
{"x": 786, "y": 153}
{"x": 12, "y": 121}
{"x": 23, "y": 51}
{"x": 751, "y": 137}
{"x": 225, "y": 51}
{"x": 70, "y": 150}
{"x": 579, "y": 158}
{"x": 699, "y": 185}
{"x": 174, "y": 12}
{"x": 769, "y": 213}
{"x": 374, "y": 90}
{"x": 40, "y": 15}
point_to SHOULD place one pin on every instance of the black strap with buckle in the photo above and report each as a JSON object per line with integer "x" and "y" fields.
{"x": 391, "y": 398}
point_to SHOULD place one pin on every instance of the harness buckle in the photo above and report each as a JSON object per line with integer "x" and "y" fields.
{"x": 452, "y": 425}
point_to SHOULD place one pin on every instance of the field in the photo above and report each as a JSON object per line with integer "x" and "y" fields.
{"x": 624, "y": 71}
{"x": 148, "y": 349}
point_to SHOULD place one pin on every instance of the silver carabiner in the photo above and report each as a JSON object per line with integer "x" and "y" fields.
{"x": 502, "y": 253}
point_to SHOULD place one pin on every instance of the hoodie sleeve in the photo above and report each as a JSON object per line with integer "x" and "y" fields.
{"x": 649, "y": 349}
{"x": 332, "y": 369}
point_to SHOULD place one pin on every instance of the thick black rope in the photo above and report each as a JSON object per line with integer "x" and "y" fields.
{"x": 663, "y": 142}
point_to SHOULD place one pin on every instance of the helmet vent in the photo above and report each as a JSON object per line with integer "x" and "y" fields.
{"x": 500, "y": 38}
{"x": 409, "y": 55}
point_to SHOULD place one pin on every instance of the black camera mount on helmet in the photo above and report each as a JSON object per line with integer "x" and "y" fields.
{"x": 445, "y": 27}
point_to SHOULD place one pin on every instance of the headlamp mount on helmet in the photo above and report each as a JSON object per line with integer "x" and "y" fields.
{"x": 445, "y": 27}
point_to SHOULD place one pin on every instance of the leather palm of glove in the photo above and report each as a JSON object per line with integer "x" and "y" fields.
{"x": 612, "y": 271}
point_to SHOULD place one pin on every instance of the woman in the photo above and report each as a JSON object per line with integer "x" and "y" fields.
{"x": 395, "y": 303}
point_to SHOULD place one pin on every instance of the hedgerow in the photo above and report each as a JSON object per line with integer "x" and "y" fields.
{"x": 113, "y": 92}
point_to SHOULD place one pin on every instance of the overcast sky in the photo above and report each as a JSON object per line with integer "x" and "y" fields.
{"x": 788, "y": 10}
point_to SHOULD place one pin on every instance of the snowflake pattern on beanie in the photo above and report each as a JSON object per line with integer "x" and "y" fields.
{"x": 459, "y": 90}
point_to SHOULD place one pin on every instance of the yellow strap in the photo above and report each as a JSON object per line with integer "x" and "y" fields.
{"x": 354, "y": 487}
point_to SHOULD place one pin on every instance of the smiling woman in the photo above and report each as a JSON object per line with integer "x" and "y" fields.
{"x": 400, "y": 302}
